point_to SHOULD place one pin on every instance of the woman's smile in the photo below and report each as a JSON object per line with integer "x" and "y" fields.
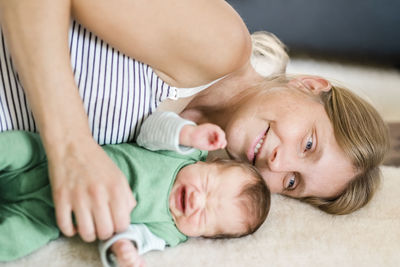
{"x": 256, "y": 146}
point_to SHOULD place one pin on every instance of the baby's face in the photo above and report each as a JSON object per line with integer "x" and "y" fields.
{"x": 204, "y": 201}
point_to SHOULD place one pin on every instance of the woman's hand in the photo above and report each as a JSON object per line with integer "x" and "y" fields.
{"x": 84, "y": 180}
{"x": 88, "y": 184}
{"x": 126, "y": 254}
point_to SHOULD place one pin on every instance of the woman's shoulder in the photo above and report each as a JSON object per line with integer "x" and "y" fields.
{"x": 188, "y": 43}
{"x": 209, "y": 47}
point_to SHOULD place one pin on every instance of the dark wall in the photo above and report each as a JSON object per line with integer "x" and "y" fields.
{"x": 353, "y": 28}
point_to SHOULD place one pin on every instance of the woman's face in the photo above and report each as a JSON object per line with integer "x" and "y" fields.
{"x": 288, "y": 136}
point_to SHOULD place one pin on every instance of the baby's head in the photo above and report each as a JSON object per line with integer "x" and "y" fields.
{"x": 223, "y": 198}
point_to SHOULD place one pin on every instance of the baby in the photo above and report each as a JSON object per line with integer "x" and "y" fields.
{"x": 177, "y": 195}
{"x": 239, "y": 191}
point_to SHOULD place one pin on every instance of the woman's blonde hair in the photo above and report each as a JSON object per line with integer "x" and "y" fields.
{"x": 361, "y": 132}
{"x": 268, "y": 54}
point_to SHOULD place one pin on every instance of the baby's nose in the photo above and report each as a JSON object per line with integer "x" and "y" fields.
{"x": 197, "y": 201}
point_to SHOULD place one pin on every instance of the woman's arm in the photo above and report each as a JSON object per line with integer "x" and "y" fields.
{"x": 84, "y": 180}
{"x": 189, "y": 42}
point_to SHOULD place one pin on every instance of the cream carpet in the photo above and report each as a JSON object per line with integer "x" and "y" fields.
{"x": 294, "y": 234}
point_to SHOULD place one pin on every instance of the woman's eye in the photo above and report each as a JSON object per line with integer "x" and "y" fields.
{"x": 309, "y": 143}
{"x": 291, "y": 183}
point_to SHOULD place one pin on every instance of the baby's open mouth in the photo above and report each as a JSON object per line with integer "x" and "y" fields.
{"x": 180, "y": 199}
{"x": 258, "y": 146}
{"x": 183, "y": 197}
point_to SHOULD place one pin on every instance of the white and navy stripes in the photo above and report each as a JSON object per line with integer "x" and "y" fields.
{"x": 14, "y": 108}
{"x": 118, "y": 92}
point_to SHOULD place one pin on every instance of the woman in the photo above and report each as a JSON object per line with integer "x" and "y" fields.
{"x": 311, "y": 140}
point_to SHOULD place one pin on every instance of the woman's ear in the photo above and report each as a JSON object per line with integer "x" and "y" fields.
{"x": 314, "y": 84}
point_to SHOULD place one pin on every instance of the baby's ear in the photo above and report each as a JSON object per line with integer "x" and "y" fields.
{"x": 313, "y": 84}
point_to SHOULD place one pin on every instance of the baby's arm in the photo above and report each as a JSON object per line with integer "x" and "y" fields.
{"x": 168, "y": 131}
{"x": 135, "y": 241}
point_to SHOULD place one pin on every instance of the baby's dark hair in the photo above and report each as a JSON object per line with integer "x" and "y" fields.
{"x": 255, "y": 198}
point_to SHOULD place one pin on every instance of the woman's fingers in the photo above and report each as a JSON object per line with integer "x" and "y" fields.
{"x": 121, "y": 206}
{"x": 63, "y": 216}
{"x": 89, "y": 185}
{"x": 131, "y": 200}
{"x": 85, "y": 223}
{"x": 103, "y": 220}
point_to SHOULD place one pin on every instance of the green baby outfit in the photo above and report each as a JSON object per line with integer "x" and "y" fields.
{"x": 27, "y": 217}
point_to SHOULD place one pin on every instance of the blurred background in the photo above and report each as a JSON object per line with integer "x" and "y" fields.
{"x": 361, "y": 30}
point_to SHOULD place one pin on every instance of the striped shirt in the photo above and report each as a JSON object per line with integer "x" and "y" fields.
{"x": 118, "y": 92}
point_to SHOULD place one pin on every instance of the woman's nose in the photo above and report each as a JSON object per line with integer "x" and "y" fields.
{"x": 274, "y": 147}
{"x": 274, "y": 160}
{"x": 281, "y": 161}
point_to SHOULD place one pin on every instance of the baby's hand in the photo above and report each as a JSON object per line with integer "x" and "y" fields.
{"x": 205, "y": 136}
{"x": 126, "y": 254}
